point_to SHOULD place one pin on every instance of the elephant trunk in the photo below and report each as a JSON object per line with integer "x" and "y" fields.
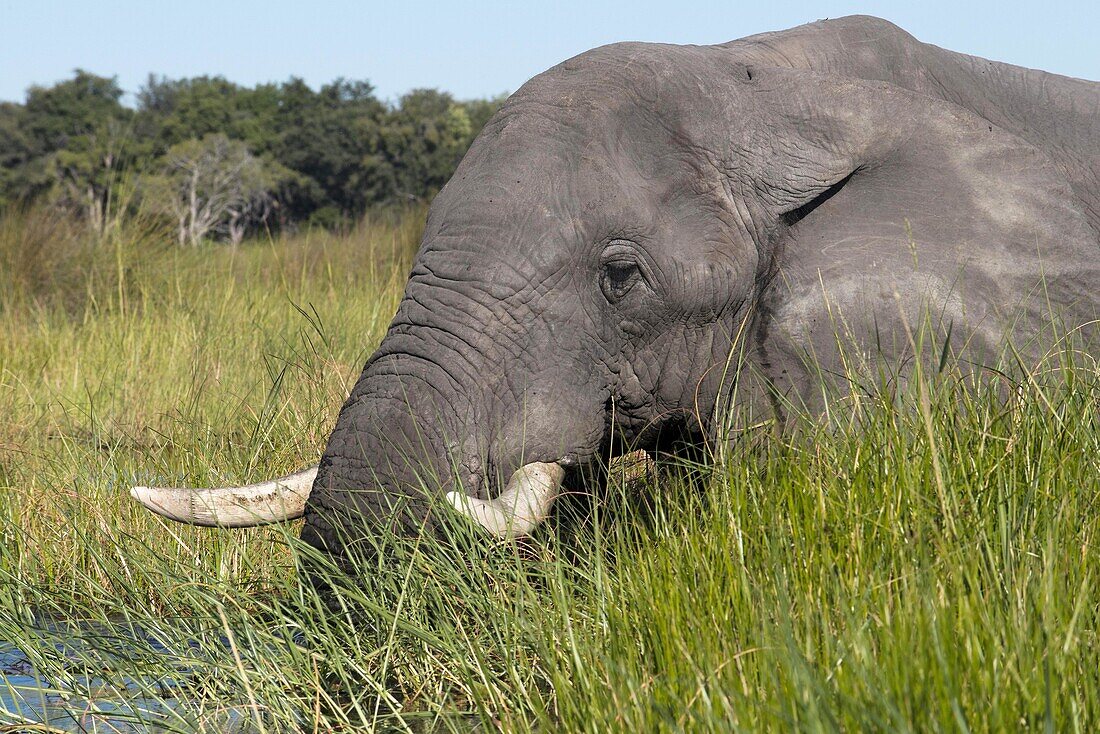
{"x": 412, "y": 442}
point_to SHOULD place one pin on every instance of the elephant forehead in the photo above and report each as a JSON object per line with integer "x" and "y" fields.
{"x": 531, "y": 233}
{"x": 543, "y": 202}
{"x": 538, "y": 159}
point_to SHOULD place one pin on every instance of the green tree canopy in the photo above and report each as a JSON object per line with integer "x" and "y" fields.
{"x": 327, "y": 155}
{"x": 75, "y": 135}
{"x": 333, "y": 137}
{"x": 426, "y": 137}
{"x": 77, "y": 107}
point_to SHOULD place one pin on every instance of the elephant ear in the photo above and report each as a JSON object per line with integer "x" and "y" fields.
{"x": 898, "y": 211}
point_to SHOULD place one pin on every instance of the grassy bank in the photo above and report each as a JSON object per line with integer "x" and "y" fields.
{"x": 932, "y": 568}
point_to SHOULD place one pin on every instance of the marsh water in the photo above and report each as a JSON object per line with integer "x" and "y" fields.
{"x": 67, "y": 677}
{"x": 61, "y": 684}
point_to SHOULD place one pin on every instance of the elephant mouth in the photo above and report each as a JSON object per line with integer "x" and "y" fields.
{"x": 523, "y": 505}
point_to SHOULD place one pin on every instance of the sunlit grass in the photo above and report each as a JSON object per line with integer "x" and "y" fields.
{"x": 929, "y": 566}
{"x": 176, "y": 366}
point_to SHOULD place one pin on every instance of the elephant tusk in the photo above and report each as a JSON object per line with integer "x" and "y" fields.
{"x": 276, "y": 500}
{"x": 521, "y": 507}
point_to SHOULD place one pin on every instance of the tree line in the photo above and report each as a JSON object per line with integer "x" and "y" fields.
{"x": 216, "y": 159}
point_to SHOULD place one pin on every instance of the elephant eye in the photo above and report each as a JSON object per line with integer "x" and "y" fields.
{"x": 618, "y": 277}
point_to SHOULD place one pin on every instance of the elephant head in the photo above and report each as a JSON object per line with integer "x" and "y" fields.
{"x": 631, "y": 228}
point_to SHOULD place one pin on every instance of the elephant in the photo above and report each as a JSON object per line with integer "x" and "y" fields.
{"x": 644, "y": 225}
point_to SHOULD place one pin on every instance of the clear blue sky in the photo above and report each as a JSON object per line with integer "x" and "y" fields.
{"x": 471, "y": 48}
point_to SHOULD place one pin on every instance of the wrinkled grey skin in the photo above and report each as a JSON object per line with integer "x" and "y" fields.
{"x": 631, "y": 211}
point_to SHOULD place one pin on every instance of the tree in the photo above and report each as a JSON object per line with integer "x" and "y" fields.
{"x": 172, "y": 111}
{"x": 22, "y": 176}
{"x": 332, "y": 137}
{"x": 425, "y": 138}
{"x": 77, "y": 131}
{"x": 213, "y": 184}
{"x": 71, "y": 109}
{"x": 88, "y": 172}
{"x": 257, "y": 203}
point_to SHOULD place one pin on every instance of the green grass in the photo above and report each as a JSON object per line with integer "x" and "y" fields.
{"x": 930, "y": 565}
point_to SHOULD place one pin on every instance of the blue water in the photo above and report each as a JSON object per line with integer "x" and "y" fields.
{"x": 76, "y": 696}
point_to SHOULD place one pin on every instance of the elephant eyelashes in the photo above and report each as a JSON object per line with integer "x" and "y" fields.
{"x": 618, "y": 277}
